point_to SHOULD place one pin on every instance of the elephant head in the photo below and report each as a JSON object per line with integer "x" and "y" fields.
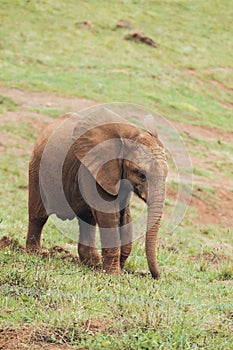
{"x": 133, "y": 155}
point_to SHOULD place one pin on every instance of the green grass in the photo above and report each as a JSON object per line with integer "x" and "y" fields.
{"x": 201, "y": 172}
{"x": 25, "y": 130}
{"x": 63, "y": 295}
{"x": 53, "y": 112}
{"x": 190, "y": 307}
{"x": 216, "y": 153}
{"x": 54, "y": 54}
{"x": 7, "y": 104}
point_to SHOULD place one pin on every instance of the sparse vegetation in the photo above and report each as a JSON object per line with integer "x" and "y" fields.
{"x": 7, "y": 104}
{"x": 53, "y": 112}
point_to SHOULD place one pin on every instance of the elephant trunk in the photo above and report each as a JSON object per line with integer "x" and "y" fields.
{"x": 155, "y": 208}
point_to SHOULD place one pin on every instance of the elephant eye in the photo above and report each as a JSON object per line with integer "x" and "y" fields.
{"x": 141, "y": 175}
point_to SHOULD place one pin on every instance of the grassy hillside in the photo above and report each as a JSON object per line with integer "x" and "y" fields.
{"x": 188, "y": 77}
{"x": 48, "y": 60}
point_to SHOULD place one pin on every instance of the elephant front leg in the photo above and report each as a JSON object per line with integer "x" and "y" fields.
{"x": 111, "y": 260}
{"x": 87, "y": 251}
{"x": 110, "y": 241}
{"x": 126, "y": 235}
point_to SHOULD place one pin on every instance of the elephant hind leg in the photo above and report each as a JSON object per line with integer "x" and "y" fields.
{"x": 125, "y": 252}
{"x": 87, "y": 251}
{"x": 35, "y": 226}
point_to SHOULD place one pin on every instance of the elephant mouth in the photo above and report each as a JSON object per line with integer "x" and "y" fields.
{"x": 139, "y": 195}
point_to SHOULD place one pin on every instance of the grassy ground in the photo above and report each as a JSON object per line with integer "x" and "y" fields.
{"x": 188, "y": 77}
{"x": 54, "y": 300}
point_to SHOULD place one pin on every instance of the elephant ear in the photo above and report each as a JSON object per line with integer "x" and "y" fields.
{"x": 99, "y": 145}
{"x": 149, "y": 124}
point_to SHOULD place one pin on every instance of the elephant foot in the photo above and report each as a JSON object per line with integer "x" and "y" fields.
{"x": 33, "y": 248}
{"x": 112, "y": 271}
{"x": 89, "y": 256}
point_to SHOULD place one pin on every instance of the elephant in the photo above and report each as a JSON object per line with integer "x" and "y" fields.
{"x": 135, "y": 162}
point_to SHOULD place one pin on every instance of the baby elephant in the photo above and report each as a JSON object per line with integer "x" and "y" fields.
{"x": 87, "y": 168}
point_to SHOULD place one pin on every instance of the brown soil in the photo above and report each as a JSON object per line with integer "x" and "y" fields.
{"x": 221, "y": 85}
{"x": 5, "y": 242}
{"x": 213, "y": 69}
{"x": 56, "y": 251}
{"x": 211, "y": 258}
{"x": 204, "y": 133}
{"x": 63, "y": 254}
{"x": 28, "y": 338}
{"x": 217, "y": 209}
{"x": 211, "y": 209}
{"x": 93, "y": 325}
{"x": 31, "y": 100}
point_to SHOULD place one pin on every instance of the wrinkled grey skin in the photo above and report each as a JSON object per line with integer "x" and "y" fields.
{"x": 137, "y": 157}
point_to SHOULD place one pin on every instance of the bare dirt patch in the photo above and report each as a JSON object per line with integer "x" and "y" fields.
{"x": 38, "y": 120}
{"x": 93, "y": 325}
{"x": 203, "y": 133}
{"x": 27, "y": 104}
{"x": 211, "y": 258}
{"x": 56, "y": 251}
{"x": 211, "y": 209}
{"x": 212, "y": 69}
{"x": 221, "y": 85}
{"x": 219, "y": 69}
{"x": 63, "y": 254}
{"x": 216, "y": 209}
{"x": 29, "y": 99}
{"x": 227, "y": 105}
{"x": 27, "y": 337}
{"x": 6, "y": 242}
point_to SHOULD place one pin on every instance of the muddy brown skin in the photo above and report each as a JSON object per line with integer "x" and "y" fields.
{"x": 146, "y": 168}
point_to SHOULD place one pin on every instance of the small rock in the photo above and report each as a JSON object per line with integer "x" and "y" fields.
{"x": 84, "y": 24}
{"x": 124, "y": 23}
{"x": 137, "y": 35}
